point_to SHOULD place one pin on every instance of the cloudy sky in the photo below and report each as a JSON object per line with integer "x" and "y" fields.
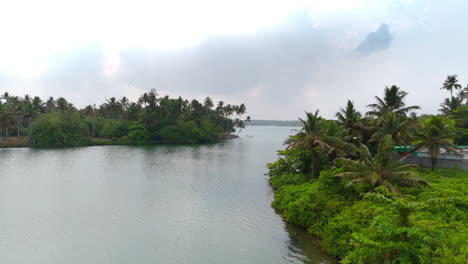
{"x": 278, "y": 57}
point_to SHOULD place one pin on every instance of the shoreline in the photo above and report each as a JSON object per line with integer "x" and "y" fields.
{"x": 23, "y": 142}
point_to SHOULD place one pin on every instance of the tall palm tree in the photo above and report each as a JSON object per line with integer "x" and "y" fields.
{"x": 5, "y": 96}
{"x": 124, "y": 102}
{"x": 394, "y": 127}
{"x": 379, "y": 170}
{"x": 6, "y": 119}
{"x": 220, "y": 107}
{"x": 315, "y": 138}
{"x": 208, "y": 103}
{"x": 450, "y": 84}
{"x": 50, "y": 104}
{"x": 349, "y": 117}
{"x": 437, "y": 133}
{"x": 449, "y": 105}
{"x": 463, "y": 95}
{"x": 393, "y": 102}
{"x": 62, "y": 104}
{"x": 143, "y": 99}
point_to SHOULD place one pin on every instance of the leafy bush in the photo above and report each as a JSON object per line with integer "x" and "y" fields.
{"x": 59, "y": 129}
{"x": 113, "y": 128}
{"x": 138, "y": 134}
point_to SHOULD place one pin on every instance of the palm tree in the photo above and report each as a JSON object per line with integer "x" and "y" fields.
{"x": 50, "y": 104}
{"x": 449, "y": 105}
{"x": 143, "y": 99}
{"x": 349, "y": 117}
{"x": 393, "y": 102}
{"x": 6, "y": 119}
{"x": 394, "y": 127}
{"x": 62, "y": 104}
{"x": 208, "y": 103}
{"x": 5, "y": 96}
{"x": 379, "y": 170}
{"x": 124, "y": 102}
{"x": 315, "y": 138}
{"x": 220, "y": 107}
{"x": 463, "y": 94}
{"x": 437, "y": 133}
{"x": 451, "y": 83}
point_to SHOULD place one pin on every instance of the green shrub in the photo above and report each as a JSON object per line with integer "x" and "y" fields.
{"x": 137, "y": 134}
{"x": 113, "y": 128}
{"x": 59, "y": 129}
{"x": 427, "y": 225}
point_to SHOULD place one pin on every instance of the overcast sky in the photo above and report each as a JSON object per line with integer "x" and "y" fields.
{"x": 278, "y": 57}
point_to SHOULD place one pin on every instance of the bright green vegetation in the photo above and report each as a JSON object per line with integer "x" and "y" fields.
{"x": 152, "y": 119}
{"x": 342, "y": 181}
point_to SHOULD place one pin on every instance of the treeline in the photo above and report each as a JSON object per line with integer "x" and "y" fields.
{"x": 152, "y": 119}
{"x": 342, "y": 181}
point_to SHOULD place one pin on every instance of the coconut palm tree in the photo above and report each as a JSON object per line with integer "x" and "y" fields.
{"x": 220, "y": 107}
{"x": 463, "y": 94}
{"x": 437, "y": 133}
{"x": 349, "y": 117}
{"x": 379, "y": 170}
{"x": 393, "y": 126}
{"x": 393, "y": 102}
{"x": 314, "y": 137}
{"x": 62, "y": 104}
{"x": 208, "y": 103}
{"x": 50, "y": 104}
{"x": 449, "y": 105}
{"x": 450, "y": 84}
{"x": 124, "y": 102}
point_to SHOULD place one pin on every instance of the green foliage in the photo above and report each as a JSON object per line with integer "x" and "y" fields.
{"x": 137, "y": 134}
{"x": 109, "y": 123}
{"x": 190, "y": 133}
{"x": 113, "y": 128}
{"x": 427, "y": 225}
{"x": 59, "y": 129}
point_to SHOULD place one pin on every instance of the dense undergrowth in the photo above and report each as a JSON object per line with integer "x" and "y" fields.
{"x": 360, "y": 225}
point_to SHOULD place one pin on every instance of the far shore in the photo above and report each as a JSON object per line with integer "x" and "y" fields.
{"x": 24, "y": 142}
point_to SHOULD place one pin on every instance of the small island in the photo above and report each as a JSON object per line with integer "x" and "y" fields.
{"x": 32, "y": 122}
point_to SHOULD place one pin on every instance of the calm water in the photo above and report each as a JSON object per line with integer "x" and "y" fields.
{"x": 157, "y": 204}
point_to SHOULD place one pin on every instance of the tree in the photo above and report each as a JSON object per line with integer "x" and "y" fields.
{"x": 62, "y": 104}
{"x": 59, "y": 129}
{"x": 393, "y": 102}
{"x": 208, "y": 103}
{"x": 393, "y": 126}
{"x": 379, "y": 170}
{"x": 449, "y": 105}
{"x": 314, "y": 137}
{"x": 437, "y": 133}
{"x": 450, "y": 84}
{"x": 349, "y": 118}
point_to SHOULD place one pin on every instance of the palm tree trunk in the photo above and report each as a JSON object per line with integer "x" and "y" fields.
{"x": 433, "y": 163}
{"x": 312, "y": 164}
{"x": 18, "y": 127}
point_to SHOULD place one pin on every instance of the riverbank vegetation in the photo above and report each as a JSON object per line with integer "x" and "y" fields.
{"x": 152, "y": 119}
{"x": 342, "y": 181}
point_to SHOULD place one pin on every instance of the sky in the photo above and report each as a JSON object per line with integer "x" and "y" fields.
{"x": 280, "y": 58}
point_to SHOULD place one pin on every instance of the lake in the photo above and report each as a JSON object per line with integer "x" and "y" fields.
{"x": 148, "y": 204}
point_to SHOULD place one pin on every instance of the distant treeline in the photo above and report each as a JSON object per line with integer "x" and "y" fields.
{"x": 151, "y": 119}
{"x": 288, "y": 123}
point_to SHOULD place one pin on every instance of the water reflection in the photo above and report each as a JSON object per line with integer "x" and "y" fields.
{"x": 147, "y": 204}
